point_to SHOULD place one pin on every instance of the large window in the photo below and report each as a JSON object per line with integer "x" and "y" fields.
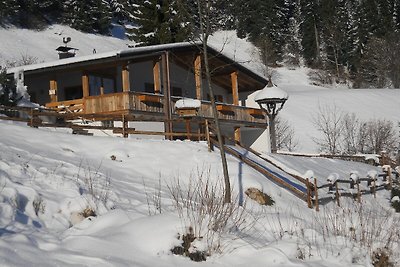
{"x": 101, "y": 85}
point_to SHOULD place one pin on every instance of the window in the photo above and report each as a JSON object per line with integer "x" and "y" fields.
{"x": 217, "y": 98}
{"x": 98, "y": 84}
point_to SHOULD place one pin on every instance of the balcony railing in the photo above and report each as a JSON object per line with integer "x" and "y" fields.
{"x": 153, "y": 104}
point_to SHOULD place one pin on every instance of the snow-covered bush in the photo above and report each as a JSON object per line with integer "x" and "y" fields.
{"x": 201, "y": 208}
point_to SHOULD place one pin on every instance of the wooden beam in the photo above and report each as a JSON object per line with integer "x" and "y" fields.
{"x": 125, "y": 78}
{"x": 85, "y": 84}
{"x": 167, "y": 94}
{"x": 197, "y": 75}
{"x": 235, "y": 88}
{"x": 156, "y": 77}
{"x": 53, "y": 91}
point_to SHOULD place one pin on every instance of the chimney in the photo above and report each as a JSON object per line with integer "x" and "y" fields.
{"x": 66, "y": 51}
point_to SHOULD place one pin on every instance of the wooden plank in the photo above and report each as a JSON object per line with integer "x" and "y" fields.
{"x": 235, "y": 88}
{"x": 150, "y": 98}
{"x": 85, "y": 85}
{"x": 133, "y": 131}
{"x": 125, "y": 78}
{"x": 198, "y": 77}
{"x": 157, "y": 77}
{"x": 224, "y": 108}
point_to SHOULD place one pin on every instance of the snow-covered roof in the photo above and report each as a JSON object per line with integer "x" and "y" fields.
{"x": 133, "y": 52}
{"x": 270, "y": 93}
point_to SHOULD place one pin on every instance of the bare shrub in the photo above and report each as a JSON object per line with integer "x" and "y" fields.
{"x": 153, "y": 198}
{"x": 38, "y": 205}
{"x": 328, "y": 121}
{"x": 201, "y": 207}
{"x": 23, "y": 60}
{"x": 285, "y": 136}
{"x": 382, "y": 136}
{"x": 361, "y": 225}
{"x": 95, "y": 184}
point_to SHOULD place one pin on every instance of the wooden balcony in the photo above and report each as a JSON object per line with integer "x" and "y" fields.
{"x": 153, "y": 105}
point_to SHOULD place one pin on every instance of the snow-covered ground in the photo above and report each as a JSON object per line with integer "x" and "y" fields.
{"x": 48, "y": 178}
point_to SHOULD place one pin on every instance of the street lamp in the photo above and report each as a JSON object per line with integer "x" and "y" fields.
{"x": 271, "y": 99}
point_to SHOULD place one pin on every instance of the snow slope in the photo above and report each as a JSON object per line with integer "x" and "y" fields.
{"x": 40, "y": 45}
{"x": 48, "y": 176}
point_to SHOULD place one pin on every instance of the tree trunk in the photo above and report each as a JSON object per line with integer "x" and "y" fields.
{"x": 205, "y": 32}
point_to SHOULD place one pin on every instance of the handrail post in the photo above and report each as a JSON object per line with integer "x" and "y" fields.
{"x": 316, "y": 195}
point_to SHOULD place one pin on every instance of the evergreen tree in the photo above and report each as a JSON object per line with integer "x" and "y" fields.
{"x": 159, "y": 22}
{"x": 310, "y": 32}
{"x": 88, "y": 15}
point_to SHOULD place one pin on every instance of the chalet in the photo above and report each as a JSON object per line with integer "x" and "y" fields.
{"x": 145, "y": 83}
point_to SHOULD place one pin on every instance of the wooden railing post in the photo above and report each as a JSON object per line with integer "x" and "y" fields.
{"x": 124, "y": 126}
{"x": 210, "y": 146}
{"x": 308, "y": 185}
{"x": 358, "y": 192}
{"x": 316, "y": 201}
{"x": 337, "y": 194}
{"x": 389, "y": 173}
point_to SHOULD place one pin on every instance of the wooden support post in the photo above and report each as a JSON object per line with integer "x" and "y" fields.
{"x": 53, "y": 91}
{"x": 167, "y": 95}
{"x": 316, "y": 195}
{"x": 389, "y": 173}
{"x": 156, "y": 76}
{"x": 198, "y": 76}
{"x": 235, "y": 88}
{"x": 125, "y": 78}
{"x": 85, "y": 84}
{"x": 210, "y": 146}
{"x": 124, "y": 127}
{"x": 358, "y": 192}
{"x": 337, "y": 194}
{"x": 308, "y": 185}
{"x": 235, "y": 100}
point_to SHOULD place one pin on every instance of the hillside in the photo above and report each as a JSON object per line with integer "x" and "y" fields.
{"x": 49, "y": 178}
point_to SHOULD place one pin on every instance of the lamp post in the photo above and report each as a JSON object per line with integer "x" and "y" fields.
{"x": 271, "y": 99}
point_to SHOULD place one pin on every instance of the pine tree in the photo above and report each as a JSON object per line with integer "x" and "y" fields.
{"x": 78, "y": 12}
{"x": 310, "y": 30}
{"x": 292, "y": 52}
{"x": 159, "y": 22}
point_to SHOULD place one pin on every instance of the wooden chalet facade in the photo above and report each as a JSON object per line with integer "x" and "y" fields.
{"x": 145, "y": 83}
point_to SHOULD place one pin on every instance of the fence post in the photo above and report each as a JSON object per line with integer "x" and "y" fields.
{"x": 210, "y": 146}
{"x": 337, "y": 194}
{"x": 124, "y": 126}
{"x": 309, "y": 204}
{"x": 358, "y": 192}
{"x": 316, "y": 195}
